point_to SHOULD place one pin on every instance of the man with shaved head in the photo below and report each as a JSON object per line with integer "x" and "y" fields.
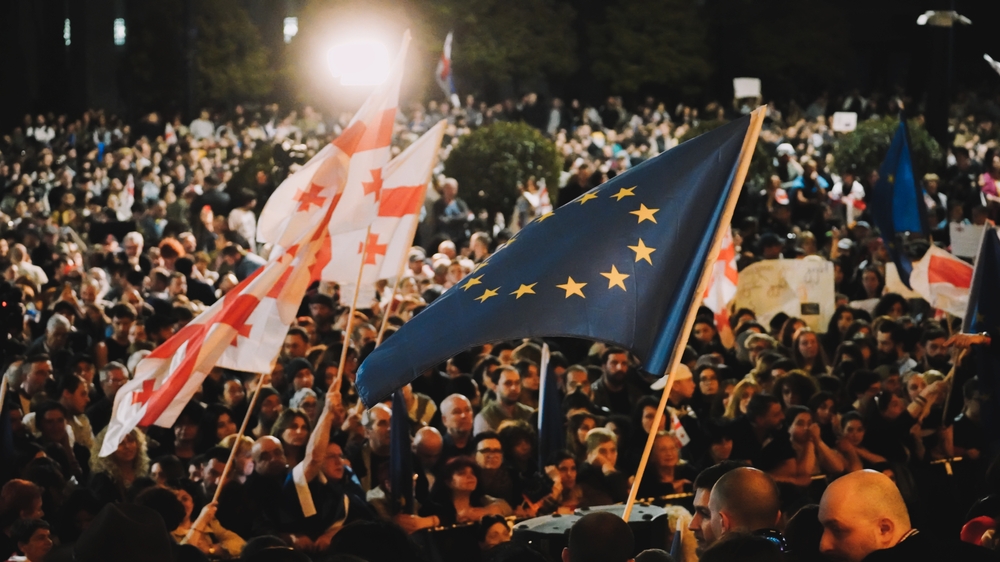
{"x": 864, "y": 518}
{"x": 427, "y": 447}
{"x": 457, "y": 417}
{"x": 744, "y": 500}
{"x": 600, "y": 537}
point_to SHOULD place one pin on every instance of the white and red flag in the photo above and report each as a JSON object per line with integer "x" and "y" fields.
{"x": 362, "y": 149}
{"x": 725, "y": 276}
{"x": 942, "y": 280}
{"x": 243, "y": 330}
{"x": 404, "y": 187}
{"x": 332, "y": 194}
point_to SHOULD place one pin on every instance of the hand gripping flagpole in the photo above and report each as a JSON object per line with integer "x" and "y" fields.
{"x": 746, "y": 153}
{"x": 350, "y": 315}
{"x": 239, "y": 437}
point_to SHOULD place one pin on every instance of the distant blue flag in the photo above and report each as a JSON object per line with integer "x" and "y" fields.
{"x": 983, "y": 315}
{"x": 897, "y": 203}
{"x": 7, "y": 450}
{"x": 619, "y": 264}
{"x": 400, "y": 456}
{"x": 551, "y": 431}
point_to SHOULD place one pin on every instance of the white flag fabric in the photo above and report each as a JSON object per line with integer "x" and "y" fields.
{"x": 993, "y": 64}
{"x": 942, "y": 280}
{"x": 443, "y": 74}
{"x": 243, "y": 330}
{"x": 362, "y": 149}
{"x": 404, "y": 187}
{"x": 725, "y": 277}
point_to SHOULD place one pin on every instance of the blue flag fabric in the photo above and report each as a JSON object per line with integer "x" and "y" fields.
{"x": 619, "y": 264}
{"x": 400, "y": 456}
{"x": 897, "y": 203}
{"x": 551, "y": 428}
{"x": 983, "y": 315}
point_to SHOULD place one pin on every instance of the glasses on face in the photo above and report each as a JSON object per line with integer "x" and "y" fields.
{"x": 490, "y": 451}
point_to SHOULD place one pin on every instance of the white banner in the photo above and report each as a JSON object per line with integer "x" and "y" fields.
{"x": 746, "y": 88}
{"x": 801, "y": 288}
{"x": 844, "y": 121}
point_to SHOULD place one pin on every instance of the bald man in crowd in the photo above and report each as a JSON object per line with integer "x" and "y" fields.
{"x": 744, "y": 500}
{"x": 864, "y": 518}
{"x": 456, "y": 418}
{"x": 427, "y": 447}
{"x": 600, "y": 537}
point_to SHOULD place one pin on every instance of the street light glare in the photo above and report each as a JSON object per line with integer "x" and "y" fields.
{"x": 359, "y": 63}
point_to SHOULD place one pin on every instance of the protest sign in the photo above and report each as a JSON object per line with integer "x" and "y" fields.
{"x": 844, "y": 121}
{"x": 802, "y": 288}
{"x": 746, "y": 88}
{"x": 965, "y": 239}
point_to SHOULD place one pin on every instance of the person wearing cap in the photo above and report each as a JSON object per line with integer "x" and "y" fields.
{"x": 933, "y": 198}
{"x": 771, "y": 246}
{"x": 787, "y": 167}
{"x": 417, "y": 262}
{"x": 679, "y": 407}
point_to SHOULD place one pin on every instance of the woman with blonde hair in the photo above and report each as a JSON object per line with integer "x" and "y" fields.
{"x": 112, "y": 475}
{"x": 744, "y": 391}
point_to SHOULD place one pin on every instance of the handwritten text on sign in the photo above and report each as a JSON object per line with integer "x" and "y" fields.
{"x": 802, "y": 288}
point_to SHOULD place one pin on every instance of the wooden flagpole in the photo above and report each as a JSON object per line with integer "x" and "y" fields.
{"x": 3, "y": 391}
{"x": 413, "y": 233}
{"x": 746, "y": 153}
{"x": 350, "y": 314}
{"x": 239, "y": 436}
{"x": 385, "y": 313}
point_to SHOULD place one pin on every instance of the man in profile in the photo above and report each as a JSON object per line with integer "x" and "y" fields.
{"x": 701, "y": 523}
{"x": 600, "y": 537}
{"x": 864, "y": 518}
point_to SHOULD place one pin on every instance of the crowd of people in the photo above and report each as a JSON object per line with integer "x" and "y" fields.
{"x": 117, "y": 234}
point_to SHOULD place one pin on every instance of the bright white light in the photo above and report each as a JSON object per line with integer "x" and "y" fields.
{"x": 119, "y": 31}
{"x": 359, "y": 63}
{"x": 67, "y": 32}
{"x": 291, "y": 28}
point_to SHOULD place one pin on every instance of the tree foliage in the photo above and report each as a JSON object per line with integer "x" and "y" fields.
{"x": 230, "y": 61}
{"x": 502, "y": 42}
{"x": 864, "y": 148}
{"x": 643, "y": 42}
{"x": 230, "y": 58}
{"x": 491, "y": 162}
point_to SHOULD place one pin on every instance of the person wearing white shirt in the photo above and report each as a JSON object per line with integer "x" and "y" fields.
{"x": 202, "y": 127}
{"x": 242, "y": 220}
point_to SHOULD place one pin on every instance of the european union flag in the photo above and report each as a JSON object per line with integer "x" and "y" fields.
{"x": 897, "y": 204}
{"x": 619, "y": 264}
{"x": 983, "y": 315}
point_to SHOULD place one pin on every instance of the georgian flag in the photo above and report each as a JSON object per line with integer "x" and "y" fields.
{"x": 725, "y": 277}
{"x": 359, "y": 152}
{"x": 939, "y": 278}
{"x": 443, "y": 75}
{"x": 404, "y": 188}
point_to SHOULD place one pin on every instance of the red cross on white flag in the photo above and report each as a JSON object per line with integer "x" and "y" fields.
{"x": 725, "y": 276}
{"x": 360, "y": 151}
{"x": 245, "y": 329}
{"x": 402, "y": 186}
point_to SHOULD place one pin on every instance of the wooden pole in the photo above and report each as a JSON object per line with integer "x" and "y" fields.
{"x": 385, "y": 313}
{"x": 239, "y": 437}
{"x": 746, "y": 153}
{"x": 3, "y": 392}
{"x": 350, "y": 314}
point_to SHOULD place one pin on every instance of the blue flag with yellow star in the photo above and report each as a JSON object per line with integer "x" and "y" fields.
{"x": 897, "y": 203}
{"x": 620, "y": 264}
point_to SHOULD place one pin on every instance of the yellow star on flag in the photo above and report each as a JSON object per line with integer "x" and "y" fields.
{"x": 615, "y": 278}
{"x": 642, "y": 252}
{"x": 525, "y": 290}
{"x": 545, "y": 216}
{"x": 645, "y": 214}
{"x": 481, "y": 265}
{"x": 587, "y": 197}
{"x": 573, "y": 288}
{"x": 487, "y": 294}
{"x": 471, "y": 282}
{"x": 623, "y": 193}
